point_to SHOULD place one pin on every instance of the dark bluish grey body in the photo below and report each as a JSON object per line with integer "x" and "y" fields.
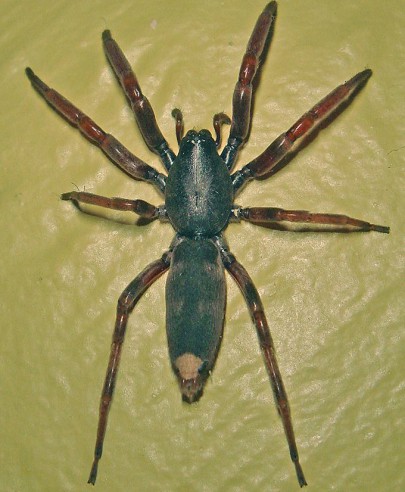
{"x": 199, "y": 195}
{"x": 199, "y": 191}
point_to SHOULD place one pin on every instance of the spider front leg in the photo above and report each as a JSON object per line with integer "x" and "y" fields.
{"x": 256, "y": 310}
{"x": 140, "y": 207}
{"x": 119, "y": 154}
{"x": 243, "y": 93}
{"x": 126, "y": 304}
{"x": 286, "y": 146}
{"x": 306, "y": 221}
{"x": 140, "y": 105}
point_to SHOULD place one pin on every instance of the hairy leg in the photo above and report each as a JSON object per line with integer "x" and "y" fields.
{"x": 243, "y": 93}
{"x": 120, "y": 155}
{"x": 301, "y": 220}
{"x": 126, "y": 304}
{"x": 286, "y": 146}
{"x": 256, "y": 310}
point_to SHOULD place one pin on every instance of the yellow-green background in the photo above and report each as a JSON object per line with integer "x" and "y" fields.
{"x": 333, "y": 301}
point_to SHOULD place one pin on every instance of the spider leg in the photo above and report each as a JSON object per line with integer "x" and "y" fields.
{"x": 242, "y": 96}
{"x": 126, "y": 304}
{"x": 140, "y": 105}
{"x": 120, "y": 155}
{"x": 286, "y": 146}
{"x": 140, "y": 207}
{"x": 306, "y": 221}
{"x": 256, "y": 310}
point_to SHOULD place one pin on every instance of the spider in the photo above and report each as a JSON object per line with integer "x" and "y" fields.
{"x": 199, "y": 191}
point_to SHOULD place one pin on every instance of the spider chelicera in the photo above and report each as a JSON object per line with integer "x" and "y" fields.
{"x": 199, "y": 191}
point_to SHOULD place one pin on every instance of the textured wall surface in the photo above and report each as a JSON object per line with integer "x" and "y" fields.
{"x": 333, "y": 301}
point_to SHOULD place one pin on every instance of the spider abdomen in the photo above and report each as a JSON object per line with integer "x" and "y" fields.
{"x": 195, "y": 307}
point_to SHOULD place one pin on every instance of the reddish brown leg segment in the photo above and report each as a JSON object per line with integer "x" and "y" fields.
{"x": 279, "y": 152}
{"x": 140, "y": 105}
{"x": 255, "y": 306}
{"x": 140, "y": 207}
{"x": 120, "y": 155}
{"x": 242, "y": 96}
{"x": 126, "y": 304}
{"x": 307, "y": 221}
